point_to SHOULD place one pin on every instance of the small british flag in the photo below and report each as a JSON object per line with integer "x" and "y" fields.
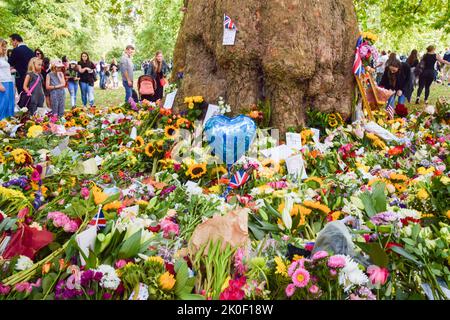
{"x": 239, "y": 179}
{"x": 358, "y": 68}
{"x": 228, "y": 23}
{"x": 99, "y": 219}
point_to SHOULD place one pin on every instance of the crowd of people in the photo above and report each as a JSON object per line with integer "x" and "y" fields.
{"x": 403, "y": 74}
{"x": 30, "y": 79}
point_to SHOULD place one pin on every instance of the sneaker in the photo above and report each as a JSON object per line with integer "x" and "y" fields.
{"x": 417, "y": 100}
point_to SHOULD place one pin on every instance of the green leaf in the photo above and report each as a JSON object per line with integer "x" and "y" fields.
{"x": 131, "y": 246}
{"x": 407, "y": 255}
{"x": 182, "y": 272}
{"x": 368, "y": 205}
{"x": 257, "y": 233}
{"x": 376, "y": 253}
{"x": 378, "y": 197}
{"x": 409, "y": 241}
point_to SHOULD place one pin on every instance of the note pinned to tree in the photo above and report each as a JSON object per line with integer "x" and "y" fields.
{"x": 229, "y": 31}
{"x": 170, "y": 99}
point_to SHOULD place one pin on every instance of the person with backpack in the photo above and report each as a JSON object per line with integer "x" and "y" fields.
{"x": 426, "y": 71}
{"x": 33, "y": 86}
{"x": 446, "y": 69}
{"x": 158, "y": 70}
{"x": 413, "y": 62}
{"x": 86, "y": 69}
{"x": 127, "y": 69}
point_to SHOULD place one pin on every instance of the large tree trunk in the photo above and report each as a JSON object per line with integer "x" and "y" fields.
{"x": 295, "y": 53}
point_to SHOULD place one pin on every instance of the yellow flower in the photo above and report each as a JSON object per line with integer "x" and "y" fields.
{"x": 191, "y": 105}
{"x": 139, "y": 142}
{"x": 112, "y": 205}
{"x": 215, "y": 189}
{"x": 85, "y": 122}
{"x": 296, "y": 257}
{"x": 195, "y": 171}
{"x": 156, "y": 259}
{"x": 398, "y": 177}
{"x": 218, "y": 171}
{"x": 445, "y": 180}
{"x": 400, "y": 187}
{"x": 166, "y": 281}
{"x": 306, "y": 134}
{"x": 225, "y": 284}
{"x": 317, "y": 206}
{"x": 35, "y": 131}
{"x": 271, "y": 164}
{"x": 336, "y": 215}
{"x": 423, "y": 171}
{"x": 315, "y": 179}
{"x": 280, "y": 266}
{"x": 423, "y": 194}
{"x": 44, "y": 190}
{"x": 99, "y": 195}
{"x": 150, "y": 150}
{"x": 8, "y": 148}
{"x": 2, "y": 158}
{"x": 188, "y": 100}
{"x": 198, "y": 99}
{"x": 171, "y": 132}
{"x": 159, "y": 145}
{"x": 448, "y": 214}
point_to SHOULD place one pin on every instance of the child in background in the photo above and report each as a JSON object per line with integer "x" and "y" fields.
{"x": 72, "y": 82}
{"x": 33, "y": 75}
{"x": 115, "y": 77}
{"x": 55, "y": 84}
{"x": 107, "y": 77}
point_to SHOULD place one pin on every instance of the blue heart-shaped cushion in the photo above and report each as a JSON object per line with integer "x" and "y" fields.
{"x": 230, "y": 138}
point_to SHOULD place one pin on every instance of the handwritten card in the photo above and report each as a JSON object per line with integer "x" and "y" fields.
{"x": 294, "y": 140}
{"x": 296, "y": 166}
{"x": 86, "y": 241}
{"x": 316, "y": 137}
{"x": 213, "y": 110}
{"x": 170, "y": 99}
{"x": 229, "y": 37}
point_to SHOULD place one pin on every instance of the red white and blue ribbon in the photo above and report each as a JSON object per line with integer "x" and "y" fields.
{"x": 228, "y": 23}
{"x": 239, "y": 179}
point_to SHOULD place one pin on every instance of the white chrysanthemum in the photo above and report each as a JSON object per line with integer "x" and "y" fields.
{"x": 109, "y": 280}
{"x": 23, "y": 263}
{"x": 408, "y": 213}
{"x": 351, "y": 275}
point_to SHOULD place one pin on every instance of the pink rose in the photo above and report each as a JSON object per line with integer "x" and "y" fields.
{"x": 378, "y": 276}
{"x": 170, "y": 228}
{"x": 85, "y": 193}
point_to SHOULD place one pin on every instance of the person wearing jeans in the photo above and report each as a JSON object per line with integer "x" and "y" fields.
{"x": 126, "y": 68}
{"x": 87, "y": 93}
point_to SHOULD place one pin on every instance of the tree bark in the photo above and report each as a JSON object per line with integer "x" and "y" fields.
{"x": 294, "y": 53}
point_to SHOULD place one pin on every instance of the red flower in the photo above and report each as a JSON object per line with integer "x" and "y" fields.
{"x": 234, "y": 290}
{"x": 401, "y": 110}
{"x": 154, "y": 229}
{"x": 407, "y": 220}
{"x": 395, "y": 151}
{"x": 170, "y": 268}
{"x": 392, "y": 244}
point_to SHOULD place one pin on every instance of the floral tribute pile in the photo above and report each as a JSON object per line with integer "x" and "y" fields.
{"x": 96, "y": 206}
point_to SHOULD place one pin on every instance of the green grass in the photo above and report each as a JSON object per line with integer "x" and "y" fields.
{"x": 105, "y": 98}
{"x": 436, "y": 91}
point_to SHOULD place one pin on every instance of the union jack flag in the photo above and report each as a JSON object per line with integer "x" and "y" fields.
{"x": 228, "y": 23}
{"x": 239, "y": 179}
{"x": 358, "y": 68}
{"x": 99, "y": 219}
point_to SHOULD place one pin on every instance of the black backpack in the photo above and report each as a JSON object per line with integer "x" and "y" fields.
{"x": 420, "y": 67}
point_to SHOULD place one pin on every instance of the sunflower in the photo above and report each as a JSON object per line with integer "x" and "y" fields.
{"x": 316, "y": 205}
{"x": 196, "y": 170}
{"x": 400, "y": 187}
{"x": 85, "y": 122}
{"x": 271, "y": 164}
{"x": 218, "y": 171}
{"x": 171, "y": 132}
{"x": 8, "y": 148}
{"x": 150, "y": 150}
{"x": 160, "y": 145}
{"x": 181, "y": 121}
{"x": 333, "y": 123}
{"x": 139, "y": 142}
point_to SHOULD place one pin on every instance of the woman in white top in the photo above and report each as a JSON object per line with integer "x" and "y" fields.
{"x": 7, "y": 98}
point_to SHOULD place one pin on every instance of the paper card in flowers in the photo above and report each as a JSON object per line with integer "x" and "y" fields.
{"x": 229, "y": 138}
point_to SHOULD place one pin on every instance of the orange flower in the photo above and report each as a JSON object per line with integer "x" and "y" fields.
{"x": 46, "y": 268}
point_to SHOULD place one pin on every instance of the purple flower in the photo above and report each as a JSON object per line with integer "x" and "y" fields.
{"x": 107, "y": 296}
{"x": 167, "y": 191}
{"x": 86, "y": 277}
{"x": 98, "y": 276}
{"x": 384, "y": 218}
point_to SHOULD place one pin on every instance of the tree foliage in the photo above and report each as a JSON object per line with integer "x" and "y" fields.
{"x": 406, "y": 24}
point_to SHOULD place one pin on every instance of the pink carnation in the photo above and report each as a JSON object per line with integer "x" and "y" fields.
{"x": 300, "y": 278}
{"x": 169, "y": 227}
{"x": 336, "y": 261}
{"x": 71, "y": 226}
{"x": 290, "y": 290}
{"x": 377, "y": 275}
{"x": 319, "y": 255}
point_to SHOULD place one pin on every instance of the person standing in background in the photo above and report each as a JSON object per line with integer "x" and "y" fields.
{"x": 7, "y": 96}
{"x": 446, "y": 69}
{"x": 381, "y": 65}
{"x": 45, "y": 70}
{"x": 20, "y": 57}
{"x": 34, "y": 79}
{"x": 413, "y": 62}
{"x": 102, "y": 72}
{"x": 127, "y": 69}
{"x": 86, "y": 70}
{"x": 72, "y": 82}
{"x": 55, "y": 84}
{"x": 158, "y": 69}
